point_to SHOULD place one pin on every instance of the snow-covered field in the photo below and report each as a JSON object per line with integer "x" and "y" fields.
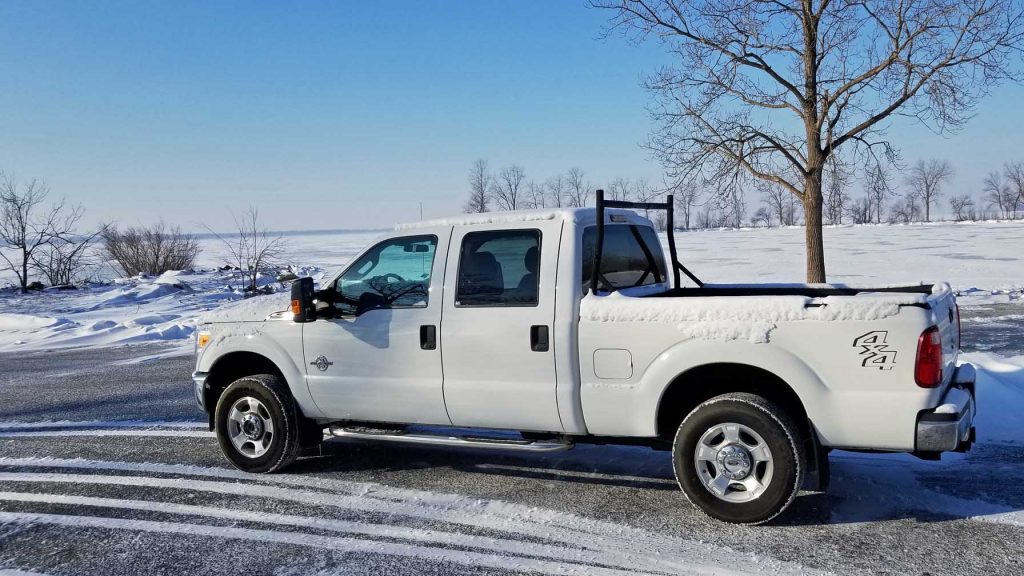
{"x": 983, "y": 262}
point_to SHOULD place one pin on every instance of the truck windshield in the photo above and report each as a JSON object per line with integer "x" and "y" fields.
{"x": 625, "y": 262}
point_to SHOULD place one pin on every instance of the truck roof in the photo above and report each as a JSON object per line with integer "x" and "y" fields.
{"x": 582, "y": 216}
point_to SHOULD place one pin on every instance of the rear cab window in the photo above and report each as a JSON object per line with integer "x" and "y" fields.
{"x": 631, "y": 257}
{"x": 499, "y": 268}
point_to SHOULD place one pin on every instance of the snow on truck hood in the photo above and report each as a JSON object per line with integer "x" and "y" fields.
{"x": 255, "y": 309}
{"x": 749, "y": 318}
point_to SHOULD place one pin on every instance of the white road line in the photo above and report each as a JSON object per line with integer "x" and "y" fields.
{"x": 340, "y": 544}
{"x": 506, "y": 546}
{"x": 107, "y": 433}
{"x": 553, "y": 526}
{"x": 21, "y": 425}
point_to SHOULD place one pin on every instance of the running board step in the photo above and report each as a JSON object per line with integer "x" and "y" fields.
{"x": 464, "y": 441}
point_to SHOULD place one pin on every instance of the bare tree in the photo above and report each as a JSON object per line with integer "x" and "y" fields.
{"x": 479, "y": 184}
{"x": 644, "y": 192}
{"x": 878, "y": 187}
{"x": 253, "y": 249}
{"x": 860, "y": 211}
{"x": 619, "y": 189}
{"x": 838, "y": 178}
{"x": 556, "y": 187}
{"x": 762, "y": 216}
{"x": 65, "y": 261}
{"x": 774, "y": 197}
{"x": 578, "y": 191}
{"x": 926, "y": 179}
{"x": 686, "y": 195}
{"x": 907, "y": 211}
{"x": 773, "y": 88}
{"x": 1014, "y": 172}
{"x": 27, "y": 226}
{"x": 999, "y": 194}
{"x": 507, "y": 188}
{"x": 149, "y": 249}
{"x": 535, "y": 195}
{"x": 961, "y": 206}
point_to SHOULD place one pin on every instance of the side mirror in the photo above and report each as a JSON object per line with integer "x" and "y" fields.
{"x": 303, "y": 308}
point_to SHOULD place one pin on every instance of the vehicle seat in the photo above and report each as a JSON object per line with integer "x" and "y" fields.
{"x": 528, "y": 284}
{"x": 482, "y": 276}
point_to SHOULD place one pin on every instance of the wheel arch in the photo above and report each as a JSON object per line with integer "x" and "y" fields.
{"x": 693, "y": 372}
{"x": 230, "y": 367}
{"x": 700, "y": 383}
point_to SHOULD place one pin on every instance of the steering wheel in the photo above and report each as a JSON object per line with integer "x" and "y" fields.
{"x": 392, "y": 277}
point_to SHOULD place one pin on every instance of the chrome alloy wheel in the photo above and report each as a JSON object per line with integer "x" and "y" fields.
{"x": 250, "y": 427}
{"x": 733, "y": 462}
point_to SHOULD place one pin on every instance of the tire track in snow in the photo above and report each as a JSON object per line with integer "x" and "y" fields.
{"x": 627, "y": 544}
{"x": 336, "y": 543}
{"x": 437, "y": 537}
{"x": 627, "y": 558}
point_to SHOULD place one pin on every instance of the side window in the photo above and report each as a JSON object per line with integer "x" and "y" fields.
{"x": 392, "y": 274}
{"x": 499, "y": 268}
{"x": 632, "y": 256}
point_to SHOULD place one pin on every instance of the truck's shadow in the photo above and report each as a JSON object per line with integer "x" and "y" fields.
{"x": 864, "y": 488}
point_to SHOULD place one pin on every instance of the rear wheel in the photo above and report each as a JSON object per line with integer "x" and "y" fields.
{"x": 739, "y": 458}
{"x": 258, "y": 426}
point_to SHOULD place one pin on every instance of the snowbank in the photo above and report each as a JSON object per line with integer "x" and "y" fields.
{"x": 1000, "y": 397}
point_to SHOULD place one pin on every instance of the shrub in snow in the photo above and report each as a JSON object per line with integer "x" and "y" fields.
{"x": 150, "y": 250}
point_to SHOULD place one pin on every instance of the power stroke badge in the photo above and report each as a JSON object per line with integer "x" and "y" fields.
{"x": 322, "y": 363}
{"x": 874, "y": 352}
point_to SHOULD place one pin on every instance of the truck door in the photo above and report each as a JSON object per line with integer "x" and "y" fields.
{"x": 380, "y": 360}
{"x": 496, "y": 329}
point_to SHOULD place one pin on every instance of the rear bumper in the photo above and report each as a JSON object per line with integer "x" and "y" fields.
{"x": 199, "y": 384}
{"x": 950, "y": 426}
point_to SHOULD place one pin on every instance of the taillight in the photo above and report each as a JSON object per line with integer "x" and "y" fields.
{"x": 928, "y": 370}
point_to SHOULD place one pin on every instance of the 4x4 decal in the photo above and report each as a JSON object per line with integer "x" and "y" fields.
{"x": 875, "y": 353}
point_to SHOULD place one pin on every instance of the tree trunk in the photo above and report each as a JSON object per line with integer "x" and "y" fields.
{"x": 24, "y": 272}
{"x": 812, "y": 230}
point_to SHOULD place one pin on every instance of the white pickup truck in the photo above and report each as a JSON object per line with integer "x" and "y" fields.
{"x": 538, "y": 330}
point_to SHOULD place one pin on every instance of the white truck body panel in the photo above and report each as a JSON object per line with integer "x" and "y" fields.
{"x": 850, "y": 360}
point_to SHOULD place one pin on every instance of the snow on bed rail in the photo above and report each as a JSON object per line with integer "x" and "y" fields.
{"x": 750, "y": 318}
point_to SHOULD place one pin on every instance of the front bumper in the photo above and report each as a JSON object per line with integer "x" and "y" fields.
{"x": 199, "y": 382}
{"x": 950, "y": 426}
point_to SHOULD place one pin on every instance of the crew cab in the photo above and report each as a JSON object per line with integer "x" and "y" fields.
{"x": 539, "y": 330}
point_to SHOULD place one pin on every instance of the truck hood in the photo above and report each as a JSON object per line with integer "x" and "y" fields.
{"x": 255, "y": 309}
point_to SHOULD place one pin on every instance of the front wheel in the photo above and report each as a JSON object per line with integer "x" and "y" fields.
{"x": 739, "y": 458}
{"x": 258, "y": 424}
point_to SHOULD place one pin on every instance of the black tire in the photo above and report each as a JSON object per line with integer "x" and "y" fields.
{"x": 776, "y": 429}
{"x": 284, "y": 445}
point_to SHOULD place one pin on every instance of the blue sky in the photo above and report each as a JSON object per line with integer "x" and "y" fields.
{"x": 341, "y": 114}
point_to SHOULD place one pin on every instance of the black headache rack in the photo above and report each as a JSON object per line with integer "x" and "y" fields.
{"x": 597, "y": 278}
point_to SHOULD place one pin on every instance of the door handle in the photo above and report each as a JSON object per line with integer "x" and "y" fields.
{"x": 428, "y": 337}
{"x": 539, "y": 341}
